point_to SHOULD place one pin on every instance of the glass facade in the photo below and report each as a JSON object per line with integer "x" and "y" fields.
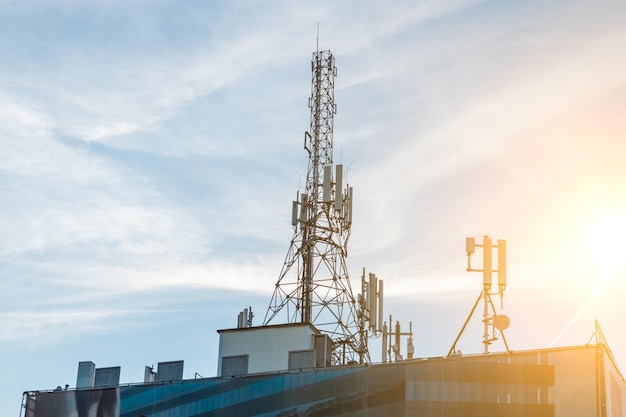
{"x": 486, "y": 385}
{"x": 557, "y": 382}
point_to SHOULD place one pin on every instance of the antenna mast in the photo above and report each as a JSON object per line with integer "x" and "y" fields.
{"x": 314, "y": 286}
{"x": 495, "y": 321}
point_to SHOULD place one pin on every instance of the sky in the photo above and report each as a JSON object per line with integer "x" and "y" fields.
{"x": 150, "y": 151}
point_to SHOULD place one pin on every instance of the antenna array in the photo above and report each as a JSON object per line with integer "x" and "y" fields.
{"x": 314, "y": 286}
{"x": 491, "y": 321}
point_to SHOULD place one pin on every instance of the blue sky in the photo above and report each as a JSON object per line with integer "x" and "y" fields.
{"x": 150, "y": 151}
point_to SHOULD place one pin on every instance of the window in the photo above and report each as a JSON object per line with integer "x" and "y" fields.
{"x": 235, "y": 365}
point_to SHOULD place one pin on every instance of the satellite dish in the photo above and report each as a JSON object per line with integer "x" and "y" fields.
{"x": 501, "y": 322}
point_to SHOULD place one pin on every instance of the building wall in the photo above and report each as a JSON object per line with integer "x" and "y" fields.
{"x": 575, "y": 390}
{"x": 614, "y": 388}
{"x": 492, "y": 385}
{"x": 267, "y": 347}
{"x": 359, "y": 391}
{"x": 581, "y": 381}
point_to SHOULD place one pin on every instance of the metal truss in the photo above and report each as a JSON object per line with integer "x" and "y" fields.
{"x": 314, "y": 285}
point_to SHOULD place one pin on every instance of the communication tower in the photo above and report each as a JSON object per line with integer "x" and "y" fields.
{"x": 314, "y": 286}
{"x": 492, "y": 321}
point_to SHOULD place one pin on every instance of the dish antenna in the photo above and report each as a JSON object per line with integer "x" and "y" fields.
{"x": 501, "y": 322}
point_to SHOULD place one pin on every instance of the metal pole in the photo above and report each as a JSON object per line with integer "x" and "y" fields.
{"x": 384, "y": 340}
{"x": 22, "y": 407}
{"x": 506, "y": 345}
{"x": 465, "y": 324}
{"x": 486, "y": 340}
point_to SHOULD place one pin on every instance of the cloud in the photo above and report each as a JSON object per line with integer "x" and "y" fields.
{"x": 35, "y": 327}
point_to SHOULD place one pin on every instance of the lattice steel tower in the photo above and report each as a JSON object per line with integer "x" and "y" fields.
{"x": 314, "y": 286}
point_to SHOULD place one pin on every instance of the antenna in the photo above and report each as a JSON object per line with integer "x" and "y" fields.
{"x": 298, "y": 174}
{"x": 373, "y": 298}
{"x": 495, "y": 321}
{"x": 317, "y": 45}
{"x": 314, "y": 285}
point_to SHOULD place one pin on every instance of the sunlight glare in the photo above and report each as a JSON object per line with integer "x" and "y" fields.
{"x": 607, "y": 243}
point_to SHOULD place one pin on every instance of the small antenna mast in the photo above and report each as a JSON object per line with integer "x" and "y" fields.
{"x": 317, "y": 45}
{"x": 497, "y": 321}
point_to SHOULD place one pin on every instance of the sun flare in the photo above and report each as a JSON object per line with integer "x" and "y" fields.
{"x": 606, "y": 241}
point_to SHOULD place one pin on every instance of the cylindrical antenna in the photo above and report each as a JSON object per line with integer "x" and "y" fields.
{"x": 384, "y": 341}
{"x": 338, "y": 186}
{"x": 470, "y": 242}
{"x": 368, "y": 293}
{"x": 380, "y": 304}
{"x": 373, "y": 286}
{"x": 328, "y": 173}
{"x": 487, "y": 261}
{"x": 397, "y": 339}
{"x": 317, "y": 44}
{"x": 294, "y": 213}
{"x": 501, "y": 270}
{"x": 350, "y": 196}
{"x": 303, "y": 208}
{"x": 502, "y": 263}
